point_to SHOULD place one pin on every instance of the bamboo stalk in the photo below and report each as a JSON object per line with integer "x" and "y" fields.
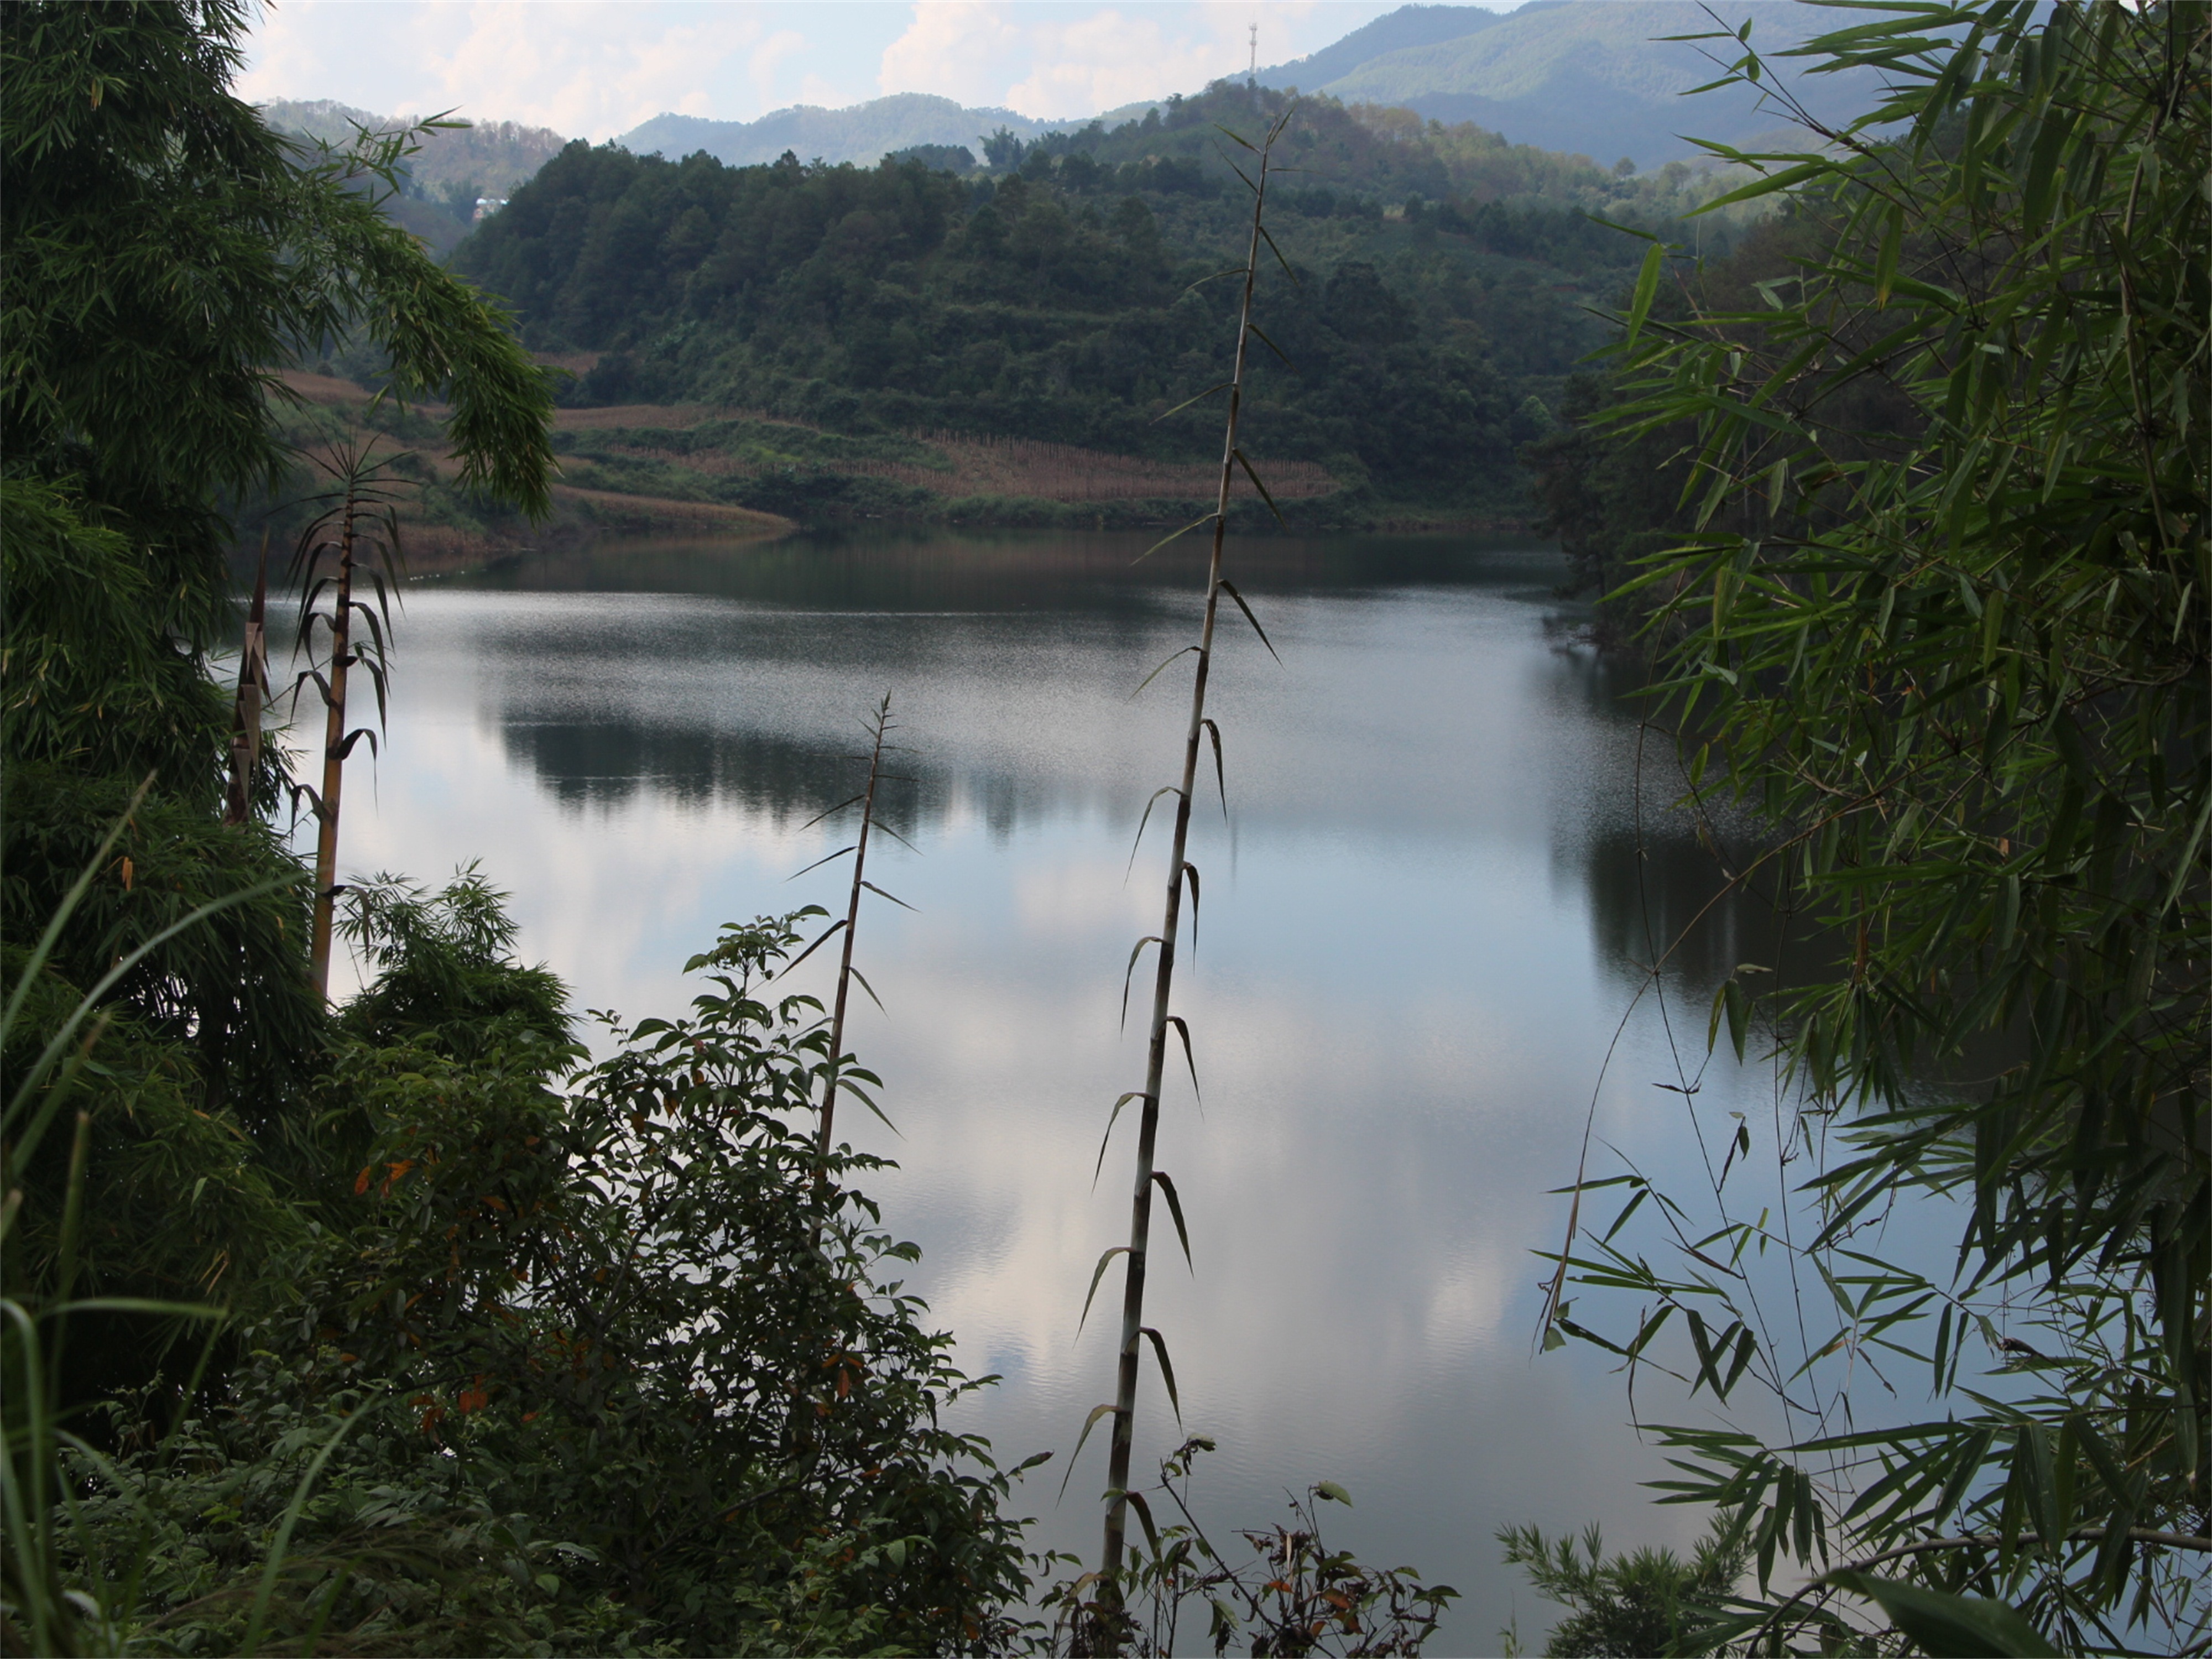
{"x": 851, "y": 926}
{"x": 1141, "y": 1202}
{"x": 334, "y": 753}
{"x": 359, "y": 492}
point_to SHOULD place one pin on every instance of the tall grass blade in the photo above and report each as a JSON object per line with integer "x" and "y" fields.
{"x": 280, "y": 1544}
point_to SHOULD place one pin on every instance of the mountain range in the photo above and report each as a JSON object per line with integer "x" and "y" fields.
{"x": 863, "y": 133}
{"x": 1597, "y": 78}
{"x": 1592, "y": 77}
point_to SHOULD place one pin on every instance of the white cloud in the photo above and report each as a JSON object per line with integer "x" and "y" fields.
{"x": 586, "y": 68}
{"x": 762, "y": 65}
{"x": 1116, "y": 57}
{"x": 958, "y": 49}
{"x": 1052, "y": 62}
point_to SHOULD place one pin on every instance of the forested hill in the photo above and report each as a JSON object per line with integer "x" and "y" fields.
{"x": 1052, "y": 300}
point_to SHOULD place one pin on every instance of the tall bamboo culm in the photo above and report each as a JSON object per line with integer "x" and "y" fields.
{"x": 846, "y": 971}
{"x": 334, "y": 756}
{"x": 838, "y": 1077}
{"x": 359, "y": 520}
{"x": 1180, "y": 872}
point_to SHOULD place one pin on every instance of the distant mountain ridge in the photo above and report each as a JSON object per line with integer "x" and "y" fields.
{"x": 1593, "y": 77}
{"x": 1588, "y": 77}
{"x": 1408, "y": 26}
{"x": 863, "y": 133}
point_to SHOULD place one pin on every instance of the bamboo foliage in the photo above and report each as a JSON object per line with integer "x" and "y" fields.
{"x": 1181, "y": 872}
{"x": 1940, "y": 621}
{"x": 356, "y": 536}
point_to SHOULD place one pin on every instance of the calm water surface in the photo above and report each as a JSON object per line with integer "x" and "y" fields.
{"x": 1423, "y": 913}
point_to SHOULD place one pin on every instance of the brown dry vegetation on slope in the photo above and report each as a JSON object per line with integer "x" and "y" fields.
{"x": 647, "y": 469}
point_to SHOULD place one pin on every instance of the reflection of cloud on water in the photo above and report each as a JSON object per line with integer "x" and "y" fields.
{"x": 1399, "y": 998}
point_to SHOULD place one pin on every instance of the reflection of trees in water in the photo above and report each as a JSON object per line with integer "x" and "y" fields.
{"x": 610, "y": 762}
{"x": 1098, "y": 574}
{"x": 1672, "y": 892}
{"x": 1660, "y": 890}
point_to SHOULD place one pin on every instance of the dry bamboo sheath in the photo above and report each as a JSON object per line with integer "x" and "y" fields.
{"x": 1140, "y": 1203}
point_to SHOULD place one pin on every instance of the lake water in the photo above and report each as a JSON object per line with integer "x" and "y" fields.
{"x": 1425, "y": 914}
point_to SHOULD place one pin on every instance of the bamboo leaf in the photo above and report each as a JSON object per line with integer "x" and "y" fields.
{"x": 345, "y": 749}
{"x": 1183, "y": 1030}
{"x": 1230, "y": 588}
{"x": 1097, "y": 1273}
{"x": 1264, "y": 495}
{"x": 1785, "y": 180}
{"x": 1089, "y": 1422}
{"x": 869, "y": 989}
{"x": 1136, "y": 1501}
{"x": 1948, "y": 1626}
{"x": 828, "y": 934}
{"x": 1260, "y": 335}
{"x": 1647, "y": 286}
{"x": 1167, "y": 1374}
{"x": 1129, "y": 973}
{"x": 894, "y": 898}
{"x": 1174, "y": 1209}
{"x": 1220, "y": 781}
{"x": 1164, "y": 789}
{"x": 1224, "y": 387}
{"x": 1188, "y": 650}
{"x": 1203, "y": 518}
{"x": 818, "y": 863}
{"x": 1885, "y": 268}
{"x": 828, "y": 812}
{"x": 1112, "y": 1118}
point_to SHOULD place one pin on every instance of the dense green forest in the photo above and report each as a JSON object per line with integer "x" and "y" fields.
{"x": 407, "y": 1325}
{"x": 1443, "y": 277}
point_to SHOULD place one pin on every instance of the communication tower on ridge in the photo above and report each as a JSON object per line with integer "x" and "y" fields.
{"x": 1251, "y": 73}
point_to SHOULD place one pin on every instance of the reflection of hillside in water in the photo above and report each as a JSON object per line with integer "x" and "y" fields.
{"x": 609, "y": 762}
{"x": 1007, "y": 659}
{"x": 929, "y": 571}
{"x": 1659, "y": 890}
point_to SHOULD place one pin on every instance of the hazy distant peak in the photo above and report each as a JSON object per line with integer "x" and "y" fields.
{"x": 861, "y": 132}
{"x": 1408, "y": 26}
{"x": 1593, "y": 76}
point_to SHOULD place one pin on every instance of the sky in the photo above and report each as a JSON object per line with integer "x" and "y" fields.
{"x": 595, "y": 69}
